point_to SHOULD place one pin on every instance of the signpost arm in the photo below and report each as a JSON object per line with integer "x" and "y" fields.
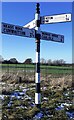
{"x": 37, "y": 74}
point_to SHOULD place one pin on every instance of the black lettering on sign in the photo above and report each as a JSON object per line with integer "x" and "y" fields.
{"x": 55, "y": 38}
{"x": 8, "y": 26}
{"x": 32, "y": 33}
{"x": 13, "y": 32}
{"x": 4, "y": 25}
{"x": 8, "y": 30}
{"x": 42, "y": 33}
{"x": 46, "y": 18}
{"x": 45, "y": 37}
{"x": 47, "y": 21}
{"x": 23, "y": 33}
{"x": 18, "y": 28}
{"x": 51, "y": 17}
{"x": 54, "y": 35}
{"x": 17, "y": 32}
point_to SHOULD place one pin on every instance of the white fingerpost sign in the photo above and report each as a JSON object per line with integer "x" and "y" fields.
{"x": 56, "y": 18}
{"x": 31, "y": 24}
{"x": 28, "y": 31}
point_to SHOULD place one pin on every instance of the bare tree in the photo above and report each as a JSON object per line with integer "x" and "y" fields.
{"x": 1, "y": 59}
{"x": 42, "y": 61}
{"x": 61, "y": 61}
{"x": 58, "y": 62}
{"x": 49, "y": 61}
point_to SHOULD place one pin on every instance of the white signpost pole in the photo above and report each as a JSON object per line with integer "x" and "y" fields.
{"x": 37, "y": 75}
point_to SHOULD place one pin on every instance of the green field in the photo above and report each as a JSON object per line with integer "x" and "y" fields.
{"x": 43, "y": 68}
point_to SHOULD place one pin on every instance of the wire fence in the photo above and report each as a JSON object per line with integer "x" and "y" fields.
{"x": 27, "y": 72}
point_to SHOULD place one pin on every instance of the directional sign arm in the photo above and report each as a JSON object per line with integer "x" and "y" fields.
{"x": 50, "y": 19}
{"x": 52, "y": 37}
{"x": 17, "y": 30}
{"x": 56, "y": 18}
{"x": 26, "y": 32}
{"x": 30, "y": 25}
